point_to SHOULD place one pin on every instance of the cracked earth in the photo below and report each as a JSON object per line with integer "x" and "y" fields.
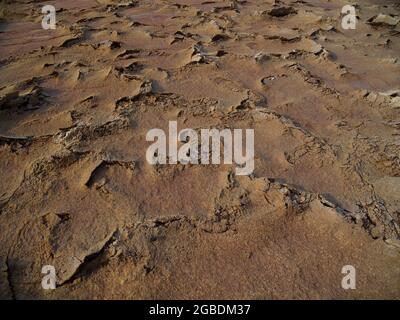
{"x": 76, "y": 191}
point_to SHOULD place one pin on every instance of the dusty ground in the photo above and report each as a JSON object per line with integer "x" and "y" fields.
{"x": 76, "y": 191}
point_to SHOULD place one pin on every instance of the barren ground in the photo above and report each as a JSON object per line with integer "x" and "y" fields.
{"x": 77, "y": 192}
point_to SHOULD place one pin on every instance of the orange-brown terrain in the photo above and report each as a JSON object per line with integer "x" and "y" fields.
{"x": 76, "y": 191}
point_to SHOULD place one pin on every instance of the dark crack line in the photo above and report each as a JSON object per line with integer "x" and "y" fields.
{"x": 10, "y": 285}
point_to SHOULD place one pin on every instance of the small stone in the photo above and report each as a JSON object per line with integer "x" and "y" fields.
{"x": 393, "y": 242}
{"x": 377, "y": 232}
{"x": 282, "y": 11}
{"x": 261, "y": 57}
{"x": 384, "y": 20}
{"x": 391, "y": 93}
{"x": 110, "y": 44}
{"x": 267, "y": 80}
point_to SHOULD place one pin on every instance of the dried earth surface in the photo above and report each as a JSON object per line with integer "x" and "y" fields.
{"x": 77, "y": 192}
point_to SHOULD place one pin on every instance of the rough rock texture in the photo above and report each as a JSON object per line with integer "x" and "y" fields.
{"x": 76, "y": 190}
